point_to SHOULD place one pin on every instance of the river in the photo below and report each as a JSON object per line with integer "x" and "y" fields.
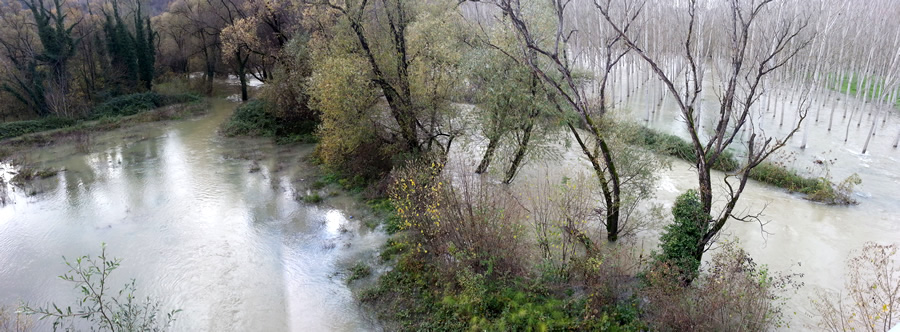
{"x": 203, "y": 231}
{"x": 206, "y": 224}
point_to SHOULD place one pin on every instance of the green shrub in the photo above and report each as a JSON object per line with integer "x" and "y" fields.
{"x": 384, "y": 209}
{"x": 131, "y": 104}
{"x": 415, "y": 297}
{"x": 19, "y": 128}
{"x": 680, "y": 238}
{"x": 783, "y": 177}
{"x": 251, "y": 119}
{"x": 257, "y": 118}
{"x": 312, "y": 199}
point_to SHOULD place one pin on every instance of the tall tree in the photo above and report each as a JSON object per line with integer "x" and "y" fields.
{"x": 41, "y": 80}
{"x": 549, "y": 58}
{"x": 132, "y": 55}
{"x": 755, "y": 43}
{"x": 58, "y": 47}
{"x": 390, "y": 70}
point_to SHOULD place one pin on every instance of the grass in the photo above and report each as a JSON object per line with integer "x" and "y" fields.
{"x": 359, "y": 271}
{"x": 873, "y": 85}
{"x": 313, "y": 199}
{"x": 677, "y": 147}
{"x": 106, "y": 112}
{"x": 816, "y": 189}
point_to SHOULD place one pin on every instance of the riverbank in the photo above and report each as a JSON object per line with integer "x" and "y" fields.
{"x": 821, "y": 188}
{"x": 79, "y": 133}
{"x": 435, "y": 287}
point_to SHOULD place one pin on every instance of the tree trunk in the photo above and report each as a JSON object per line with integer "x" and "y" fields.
{"x": 520, "y": 153}
{"x": 242, "y": 73}
{"x": 488, "y": 155}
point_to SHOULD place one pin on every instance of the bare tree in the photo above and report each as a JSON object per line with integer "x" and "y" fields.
{"x": 551, "y": 59}
{"x": 759, "y": 39}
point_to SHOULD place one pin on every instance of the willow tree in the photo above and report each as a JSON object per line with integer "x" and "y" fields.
{"x": 753, "y": 39}
{"x": 544, "y": 43}
{"x": 513, "y": 108}
{"x": 408, "y": 52}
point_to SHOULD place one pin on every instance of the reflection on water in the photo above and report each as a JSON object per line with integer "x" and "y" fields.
{"x": 232, "y": 248}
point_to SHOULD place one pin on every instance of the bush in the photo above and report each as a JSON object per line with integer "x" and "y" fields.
{"x": 255, "y": 118}
{"x": 419, "y": 296}
{"x": 873, "y": 289}
{"x": 359, "y": 271}
{"x": 734, "y": 294}
{"x": 820, "y": 189}
{"x": 313, "y": 199}
{"x": 680, "y": 238}
{"x": 251, "y": 119}
{"x": 19, "y": 128}
{"x": 780, "y": 176}
{"x": 465, "y": 222}
{"x": 126, "y": 105}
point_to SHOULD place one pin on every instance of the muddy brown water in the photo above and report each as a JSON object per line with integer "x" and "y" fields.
{"x": 206, "y": 224}
{"x": 798, "y": 235}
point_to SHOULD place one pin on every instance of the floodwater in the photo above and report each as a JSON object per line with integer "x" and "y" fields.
{"x": 798, "y": 236}
{"x": 206, "y": 224}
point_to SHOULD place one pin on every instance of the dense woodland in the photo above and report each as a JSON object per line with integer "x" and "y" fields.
{"x": 389, "y": 89}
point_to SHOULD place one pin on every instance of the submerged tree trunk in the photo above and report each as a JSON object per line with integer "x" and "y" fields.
{"x": 488, "y": 155}
{"x": 520, "y": 153}
{"x": 242, "y": 72}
